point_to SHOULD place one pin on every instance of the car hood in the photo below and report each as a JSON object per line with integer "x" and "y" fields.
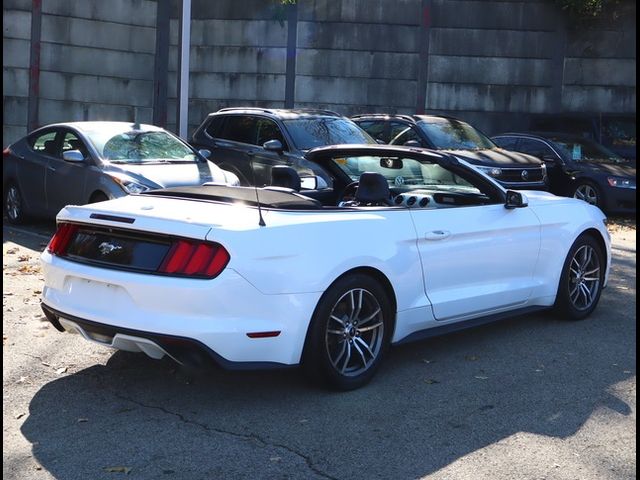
{"x": 605, "y": 168}
{"x": 164, "y": 175}
{"x": 496, "y": 157}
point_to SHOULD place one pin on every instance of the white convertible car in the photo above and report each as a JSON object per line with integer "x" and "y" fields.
{"x": 405, "y": 243}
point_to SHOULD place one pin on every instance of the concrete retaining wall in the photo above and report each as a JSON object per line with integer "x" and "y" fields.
{"x": 491, "y": 62}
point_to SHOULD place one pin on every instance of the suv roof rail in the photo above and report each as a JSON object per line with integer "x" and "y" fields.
{"x": 318, "y": 110}
{"x": 402, "y": 116}
{"x": 258, "y": 109}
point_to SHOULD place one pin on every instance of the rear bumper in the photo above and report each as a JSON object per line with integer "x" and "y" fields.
{"x": 210, "y": 317}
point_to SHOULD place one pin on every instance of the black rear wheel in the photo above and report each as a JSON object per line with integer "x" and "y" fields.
{"x": 14, "y": 204}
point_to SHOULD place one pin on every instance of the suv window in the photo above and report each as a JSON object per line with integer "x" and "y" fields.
{"x": 535, "y": 147}
{"x": 214, "y": 126}
{"x": 404, "y": 136}
{"x": 45, "y": 143}
{"x": 375, "y": 128}
{"x": 239, "y": 128}
{"x": 268, "y": 130}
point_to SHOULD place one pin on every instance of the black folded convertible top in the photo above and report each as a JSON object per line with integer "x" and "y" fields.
{"x": 269, "y": 198}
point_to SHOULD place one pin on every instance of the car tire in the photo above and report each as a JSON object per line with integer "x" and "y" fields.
{"x": 349, "y": 333}
{"x": 581, "y": 280}
{"x": 589, "y": 192}
{"x": 14, "y": 204}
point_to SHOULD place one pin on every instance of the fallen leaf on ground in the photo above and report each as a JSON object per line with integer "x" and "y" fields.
{"x": 20, "y": 415}
{"x": 61, "y": 370}
{"x": 83, "y": 420}
{"x": 11, "y": 251}
{"x": 117, "y": 469}
{"x": 431, "y": 381}
{"x": 24, "y": 258}
{"x": 29, "y": 269}
{"x": 46, "y": 364}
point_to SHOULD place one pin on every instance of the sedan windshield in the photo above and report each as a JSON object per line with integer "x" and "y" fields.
{"x": 451, "y": 134}
{"x": 585, "y": 150}
{"x": 308, "y": 133}
{"x": 137, "y": 146}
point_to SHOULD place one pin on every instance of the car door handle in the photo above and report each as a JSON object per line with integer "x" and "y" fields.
{"x": 437, "y": 235}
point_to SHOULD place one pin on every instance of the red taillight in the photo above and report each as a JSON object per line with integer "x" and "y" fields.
{"x": 195, "y": 259}
{"x": 6, "y": 152}
{"x": 60, "y": 241}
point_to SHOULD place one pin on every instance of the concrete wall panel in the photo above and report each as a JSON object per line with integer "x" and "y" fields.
{"x": 488, "y": 70}
{"x": 16, "y": 24}
{"x": 599, "y": 99}
{"x": 403, "y": 12}
{"x": 523, "y": 15}
{"x": 355, "y": 91}
{"x": 98, "y": 34}
{"x": 601, "y": 71}
{"x": 233, "y": 59}
{"x": 488, "y": 98}
{"x": 15, "y": 53}
{"x": 54, "y": 111}
{"x": 234, "y": 33}
{"x": 128, "y": 12}
{"x": 15, "y": 82}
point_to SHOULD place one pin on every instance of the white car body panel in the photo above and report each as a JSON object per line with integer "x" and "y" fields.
{"x": 494, "y": 260}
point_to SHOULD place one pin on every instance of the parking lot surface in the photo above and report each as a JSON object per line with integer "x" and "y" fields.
{"x": 532, "y": 397}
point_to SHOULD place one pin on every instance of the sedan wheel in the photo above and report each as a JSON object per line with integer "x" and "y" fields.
{"x": 582, "y": 278}
{"x": 13, "y": 204}
{"x": 349, "y": 332}
{"x": 588, "y": 193}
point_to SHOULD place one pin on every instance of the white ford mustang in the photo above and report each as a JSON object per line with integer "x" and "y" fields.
{"x": 406, "y": 243}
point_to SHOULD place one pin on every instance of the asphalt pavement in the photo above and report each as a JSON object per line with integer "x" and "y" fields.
{"x": 532, "y": 397}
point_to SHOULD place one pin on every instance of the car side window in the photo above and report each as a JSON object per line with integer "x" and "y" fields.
{"x": 45, "y": 143}
{"x": 536, "y": 148}
{"x": 239, "y": 128}
{"x": 376, "y": 129}
{"x": 508, "y": 143}
{"x": 404, "y": 135}
{"x": 268, "y": 130}
{"x": 72, "y": 142}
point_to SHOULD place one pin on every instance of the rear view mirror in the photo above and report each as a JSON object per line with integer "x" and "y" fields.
{"x": 74, "y": 156}
{"x": 393, "y": 163}
{"x": 515, "y": 200}
{"x": 273, "y": 146}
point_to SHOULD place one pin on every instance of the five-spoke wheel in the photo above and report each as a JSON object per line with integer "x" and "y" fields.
{"x": 587, "y": 192}
{"x": 13, "y": 204}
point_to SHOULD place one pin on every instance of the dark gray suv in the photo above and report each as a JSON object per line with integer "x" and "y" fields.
{"x": 241, "y": 137}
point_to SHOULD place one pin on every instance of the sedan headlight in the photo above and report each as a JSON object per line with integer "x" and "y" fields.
{"x": 129, "y": 185}
{"x": 493, "y": 171}
{"x": 621, "y": 182}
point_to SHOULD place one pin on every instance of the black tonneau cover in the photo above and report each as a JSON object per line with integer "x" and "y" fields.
{"x": 270, "y": 197}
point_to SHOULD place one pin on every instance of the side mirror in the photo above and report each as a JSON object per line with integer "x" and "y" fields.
{"x": 73, "y": 156}
{"x": 412, "y": 143}
{"x": 273, "y": 146}
{"x": 205, "y": 153}
{"x": 515, "y": 200}
{"x": 313, "y": 183}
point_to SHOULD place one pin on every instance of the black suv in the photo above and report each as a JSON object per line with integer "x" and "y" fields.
{"x": 511, "y": 169}
{"x": 241, "y": 137}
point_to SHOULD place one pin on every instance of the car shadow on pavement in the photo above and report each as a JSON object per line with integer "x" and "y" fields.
{"x": 432, "y": 403}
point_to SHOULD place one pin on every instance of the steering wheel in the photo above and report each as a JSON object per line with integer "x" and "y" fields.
{"x": 348, "y": 193}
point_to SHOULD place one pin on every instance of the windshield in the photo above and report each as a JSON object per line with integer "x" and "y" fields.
{"x": 405, "y": 172}
{"x": 137, "y": 146}
{"x": 585, "y": 150}
{"x": 308, "y": 133}
{"x": 451, "y": 134}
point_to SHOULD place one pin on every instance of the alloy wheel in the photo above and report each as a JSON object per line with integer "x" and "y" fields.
{"x": 587, "y": 193}
{"x": 355, "y": 332}
{"x": 584, "y": 277}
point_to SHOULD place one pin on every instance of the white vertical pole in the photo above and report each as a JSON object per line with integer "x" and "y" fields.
{"x": 184, "y": 42}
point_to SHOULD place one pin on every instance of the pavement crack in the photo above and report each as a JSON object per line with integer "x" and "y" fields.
{"x": 246, "y": 436}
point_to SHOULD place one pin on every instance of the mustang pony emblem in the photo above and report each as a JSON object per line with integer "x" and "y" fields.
{"x": 106, "y": 248}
